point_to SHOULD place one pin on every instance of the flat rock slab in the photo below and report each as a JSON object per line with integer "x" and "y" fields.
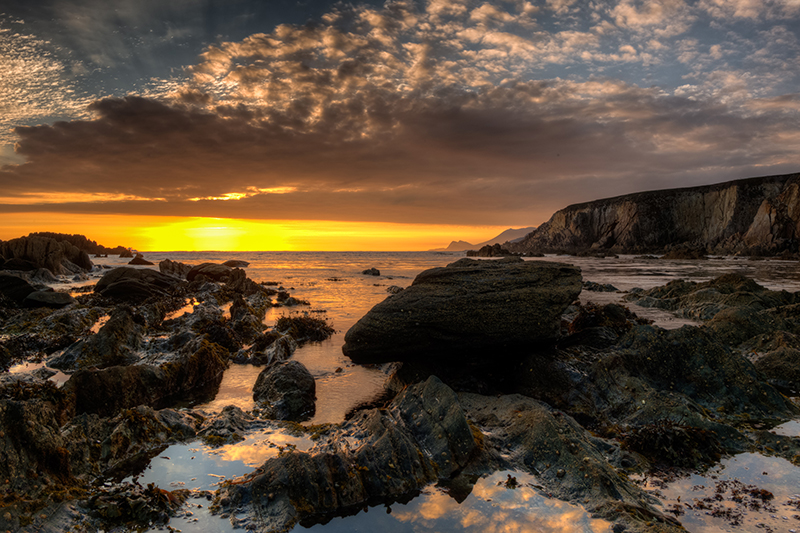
{"x": 468, "y": 309}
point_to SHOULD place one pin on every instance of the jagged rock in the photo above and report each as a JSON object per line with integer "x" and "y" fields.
{"x": 236, "y": 263}
{"x": 279, "y": 350}
{"x": 59, "y": 257}
{"x": 393, "y": 289}
{"x": 736, "y": 216}
{"x": 140, "y": 260}
{"x": 15, "y": 288}
{"x": 286, "y": 391}
{"x": 134, "y": 285}
{"x": 181, "y": 375}
{"x": 228, "y": 426}
{"x": 371, "y": 272}
{"x": 421, "y": 437}
{"x": 53, "y": 299}
{"x": 490, "y": 250}
{"x": 174, "y": 268}
{"x": 43, "y": 276}
{"x": 460, "y": 311}
{"x": 116, "y": 343}
{"x": 124, "y": 254}
{"x": 213, "y": 271}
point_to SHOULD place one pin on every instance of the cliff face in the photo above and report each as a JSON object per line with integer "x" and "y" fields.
{"x": 755, "y": 215}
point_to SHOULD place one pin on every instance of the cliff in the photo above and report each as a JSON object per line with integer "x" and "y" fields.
{"x": 759, "y": 216}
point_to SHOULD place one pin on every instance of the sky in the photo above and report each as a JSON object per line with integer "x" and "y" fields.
{"x": 242, "y": 124}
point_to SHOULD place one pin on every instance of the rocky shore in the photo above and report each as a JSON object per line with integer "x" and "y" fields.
{"x": 495, "y": 366}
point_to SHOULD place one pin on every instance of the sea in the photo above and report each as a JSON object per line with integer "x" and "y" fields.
{"x": 336, "y": 288}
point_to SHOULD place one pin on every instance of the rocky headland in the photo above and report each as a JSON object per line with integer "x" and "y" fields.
{"x": 756, "y": 216}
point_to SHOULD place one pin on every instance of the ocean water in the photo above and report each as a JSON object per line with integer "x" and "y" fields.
{"x": 333, "y": 284}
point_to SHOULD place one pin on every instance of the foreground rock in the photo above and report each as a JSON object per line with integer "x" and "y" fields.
{"x": 466, "y": 308}
{"x": 286, "y": 391}
{"x": 422, "y": 437}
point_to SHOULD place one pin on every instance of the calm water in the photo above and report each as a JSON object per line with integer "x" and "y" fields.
{"x": 332, "y": 282}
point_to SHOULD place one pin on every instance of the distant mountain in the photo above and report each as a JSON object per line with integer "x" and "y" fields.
{"x": 755, "y": 216}
{"x": 510, "y": 234}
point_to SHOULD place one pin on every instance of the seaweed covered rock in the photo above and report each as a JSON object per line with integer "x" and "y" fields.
{"x": 116, "y": 343}
{"x": 421, "y": 437}
{"x": 181, "y": 376}
{"x": 286, "y": 391}
{"x": 465, "y": 309}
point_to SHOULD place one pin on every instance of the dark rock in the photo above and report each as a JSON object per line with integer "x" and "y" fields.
{"x": 236, "y": 263}
{"x": 174, "y": 268}
{"x": 371, "y": 272}
{"x": 22, "y": 265}
{"x": 59, "y": 257}
{"x": 213, "y": 271}
{"x": 183, "y": 375}
{"x": 53, "y": 299}
{"x": 15, "y": 288}
{"x": 286, "y": 391}
{"x": 134, "y": 285}
{"x": 43, "y": 276}
{"x": 490, "y": 250}
{"x": 421, "y": 437}
{"x": 124, "y": 254}
{"x": 227, "y": 427}
{"x": 278, "y": 350}
{"x": 116, "y": 343}
{"x": 463, "y": 310}
{"x": 393, "y": 289}
{"x": 139, "y": 260}
{"x": 598, "y": 287}
{"x": 781, "y": 368}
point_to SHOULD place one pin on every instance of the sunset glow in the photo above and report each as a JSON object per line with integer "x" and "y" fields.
{"x": 227, "y": 234}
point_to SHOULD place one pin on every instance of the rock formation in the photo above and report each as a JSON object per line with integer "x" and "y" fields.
{"x": 286, "y": 391}
{"x": 755, "y": 216}
{"x": 59, "y": 257}
{"x": 465, "y": 309}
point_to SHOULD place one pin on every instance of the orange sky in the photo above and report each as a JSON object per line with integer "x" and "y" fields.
{"x": 148, "y": 233}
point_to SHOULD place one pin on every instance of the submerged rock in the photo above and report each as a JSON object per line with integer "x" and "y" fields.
{"x": 286, "y": 391}
{"x": 236, "y": 263}
{"x": 371, "y": 272}
{"x": 465, "y": 309}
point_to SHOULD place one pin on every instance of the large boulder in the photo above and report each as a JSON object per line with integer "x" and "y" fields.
{"x": 134, "y": 285}
{"x": 287, "y": 391}
{"x": 140, "y": 260}
{"x": 466, "y": 309}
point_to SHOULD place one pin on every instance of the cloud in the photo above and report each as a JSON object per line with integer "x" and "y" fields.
{"x": 380, "y": 113}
